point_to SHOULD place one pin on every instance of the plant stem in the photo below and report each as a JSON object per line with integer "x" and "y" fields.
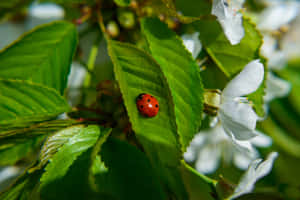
{"x": 208, "y": 180}
{"x": 91, "y": 61}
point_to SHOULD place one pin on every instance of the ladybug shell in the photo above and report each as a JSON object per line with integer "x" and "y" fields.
{"x": 147, "y": 105}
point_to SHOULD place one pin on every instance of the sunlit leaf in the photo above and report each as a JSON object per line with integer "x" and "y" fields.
{"x": 136, "y": 73}
{"x": 182, "y": 74}
{"x": 22, "y": 102}
{"x": 43, "y": 55}
{"x": 80, "y": 140}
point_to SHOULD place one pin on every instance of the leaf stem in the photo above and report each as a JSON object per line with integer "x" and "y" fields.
{"x": 208, "y": 180}
{"x": 91, "y": 61}
{"x": 97, "y": 148}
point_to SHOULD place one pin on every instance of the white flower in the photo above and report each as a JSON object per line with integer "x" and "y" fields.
{"x": 256, "y": 170}
{"x": 278, "y": 14}
{"x": 41, "y": 13}
{"x": 276, "y": 57}
{"x": 209, "y": 146}
{"x": 75, "y": 82}
{"x": 235, "y": 113}
{"x": 192, "y": 43}
{"x": 276, "y": 87}
{"x": 230, "y": 18}
{"x": 46, "y": 10}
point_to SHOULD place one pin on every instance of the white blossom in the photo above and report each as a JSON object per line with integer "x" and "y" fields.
{"x": 192, "y": 43}
{"x": 276, "y": 87}
{"x": 280, "y": 13}
{"x": 231, "y": 19}
{"x": 257, "y": 170}
{"x": 212, "y": 145}
{"x": 46, "y": 10}
{"x": 235, "y": 113}
{"x": 75, "y": 82}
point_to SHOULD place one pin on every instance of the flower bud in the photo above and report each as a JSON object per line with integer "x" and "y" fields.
{"x": 212, "y": 101}
{"x": 112, "y": 29}
{"x": 126, "y": 19}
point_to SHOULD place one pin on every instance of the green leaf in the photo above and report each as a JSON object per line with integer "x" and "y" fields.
{"x": 15, "y": 192}
{"x": 74, "y": 184}
{"x": 193, "y": 8}
{"x": 231, "y": 59}
{"x": 130, "y": 175}
{"x": 23, "y": 131}
{"x": 187, "y": 11}
{"x": 43, "y": 55}
{"x": 10, "y": 3}
{"x": 23, "y": 188}
{"x": 22, "y": 102}
{"x": 11, "y": 155}
{"x": 122, "y": 2}
{"x": 82, "y": 140}
{"x": 56, "y": 141}
{"x": 136, "y": 73}
{"x": 182, "y": 74}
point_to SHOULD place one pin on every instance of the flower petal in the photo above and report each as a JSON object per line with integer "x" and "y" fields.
{"x": 256, "y": 170}
{"x": 190, "y": 154}
{"x": 276, "y": 87}
{"x": 244, "y": 147}
{"x": 208, "y": 159}
{"x": 278, "y": 15}
{"x": 192, "y": 43}
{"x": 238, "y": 119}
{"x": 261, "y": 140}
{"x": 46, "y": 10}
{"x": 265, "y": 167}
{"x": 230, "y": 19}
{"x": 199, "y": 139}
{"x": 246, "y": 82}
{"x": 276, "y": 58}
{"x": 241, "y": 160}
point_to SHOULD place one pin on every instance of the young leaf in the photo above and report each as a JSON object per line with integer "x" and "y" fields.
{"x": 138, "y": 73}
{"x": 56, "y": 141}
{"x": 22, "y": 102}
{"x": 122, "y": 2}
{"x": 66, "y": 155}
{"x": 231, "y": 59}
{"x": 43, "y": 55}
{"x": 182, "y": 74}
{"x": 130, "y": 175}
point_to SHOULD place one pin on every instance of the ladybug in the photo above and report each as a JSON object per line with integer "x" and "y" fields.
{"x": 147, "y": 105}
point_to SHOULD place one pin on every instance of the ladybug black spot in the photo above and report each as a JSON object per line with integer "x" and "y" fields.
{"x": 142, "y": 106}
{"x": 140, "y": 97}
{"x": 156, "y": 105}
{"x": 148, "y": 100}
{"x": 151, "y": 96}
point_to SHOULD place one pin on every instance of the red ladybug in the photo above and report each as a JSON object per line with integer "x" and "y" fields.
{"x": 147, "y": 105}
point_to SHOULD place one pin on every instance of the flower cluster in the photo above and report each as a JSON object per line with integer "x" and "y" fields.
{"x": 233, "y": 135}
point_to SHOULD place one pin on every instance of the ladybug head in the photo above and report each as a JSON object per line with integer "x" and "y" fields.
{"x": 140, "y": 97}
